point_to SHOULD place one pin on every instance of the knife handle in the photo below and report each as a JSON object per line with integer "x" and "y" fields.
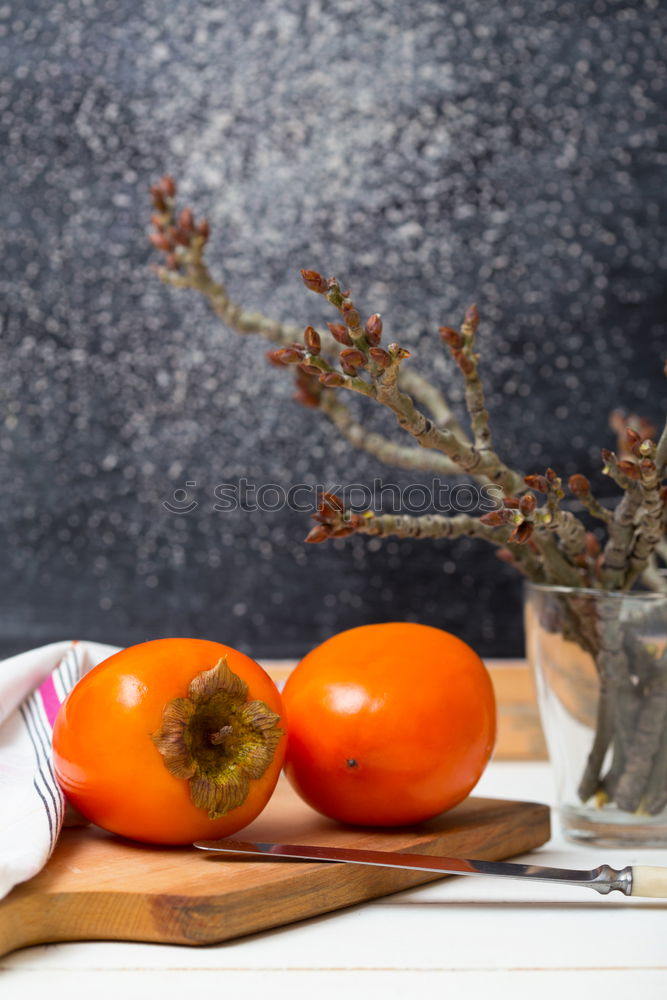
{"x": 649, "y": 881}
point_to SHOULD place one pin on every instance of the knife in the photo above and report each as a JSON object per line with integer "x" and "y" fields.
{"x": 635, "y": 880}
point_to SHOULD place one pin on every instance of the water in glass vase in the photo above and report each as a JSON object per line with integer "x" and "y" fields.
{"x": 600, "y": 662}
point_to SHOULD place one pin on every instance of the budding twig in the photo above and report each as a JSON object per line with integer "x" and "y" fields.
{"x": 187, "y": 268}
{"x": 624, "y": 472}
{"x": 581, "y": 488}
{"x": 462, "y": 348}
{"x": 547, "y": 543}
{"x": 333, "y": 521}
{"x": 570, "y": 530}
{"x": 485, "y": 465}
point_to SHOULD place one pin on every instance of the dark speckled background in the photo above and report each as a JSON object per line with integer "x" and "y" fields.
{"x": 430, "y": 154}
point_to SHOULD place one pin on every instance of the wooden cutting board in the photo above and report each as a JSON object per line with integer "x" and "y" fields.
{"x": 98, "y": 886}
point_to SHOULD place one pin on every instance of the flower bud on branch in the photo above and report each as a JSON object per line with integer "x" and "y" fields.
{"x": 314, "y": 281}
{"x": 353, "y": 359}
{"x": 581, "y": 488}
{"x": 537, "y": 482}
{"x": 340, "y": 333}
{"x": 373, "y": 330}
{"x": 312, "y": 340}
{"x": 332, "y": 380}
{"x": 381, "y": 357}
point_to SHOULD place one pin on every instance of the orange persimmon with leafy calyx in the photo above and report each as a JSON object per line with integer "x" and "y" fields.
{"x": 388, "y": 724}
{"x": 171, "y": 741}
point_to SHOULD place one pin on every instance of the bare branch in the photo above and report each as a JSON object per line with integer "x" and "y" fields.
{"x": 619, "y": 541}
{"x": 649, "y": 530}
{"x": 197, "y": 276}
{"x": 621, "y": 528}
{"x": 388, "y": 451}
{"x": 431, "y": 526}
{"x": 661, "y": 547}
{"x": 652, "y": 578}
{"x": 661, "y": 453}
{"x": 430, "y": 396}
{"x": 557, "y": 569}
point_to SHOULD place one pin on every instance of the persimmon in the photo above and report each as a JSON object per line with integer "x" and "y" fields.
{"x": 388, "y": 724}
{"x": 171, "y": 741}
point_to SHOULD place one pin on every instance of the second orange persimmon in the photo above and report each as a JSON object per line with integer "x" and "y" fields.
{"x": 388, "y": 724}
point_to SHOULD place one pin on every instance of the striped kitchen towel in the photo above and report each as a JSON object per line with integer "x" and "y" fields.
{"x": 32, "y": 806}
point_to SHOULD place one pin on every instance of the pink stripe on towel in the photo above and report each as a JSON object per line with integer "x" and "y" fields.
{"x": 50, "y": 700}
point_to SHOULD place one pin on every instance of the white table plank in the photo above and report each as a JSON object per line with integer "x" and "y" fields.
{"x": 288, "y": 984}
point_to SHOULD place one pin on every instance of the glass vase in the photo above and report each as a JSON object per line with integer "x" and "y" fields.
{"x": 600, "y": 663}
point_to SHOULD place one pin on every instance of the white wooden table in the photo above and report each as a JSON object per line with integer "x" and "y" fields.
{"x": 458, "y": 938}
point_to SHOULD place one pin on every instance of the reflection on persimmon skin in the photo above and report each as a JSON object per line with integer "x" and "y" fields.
{"x": 348, "y": 699}
{"x": 131, "y": 691}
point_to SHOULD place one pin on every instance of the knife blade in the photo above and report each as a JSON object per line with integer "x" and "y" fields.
{"x": 637, "y": 880}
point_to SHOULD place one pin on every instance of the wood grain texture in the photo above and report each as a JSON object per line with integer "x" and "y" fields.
{"x": 520, "y": 735}
{"x": 101, "y": 887}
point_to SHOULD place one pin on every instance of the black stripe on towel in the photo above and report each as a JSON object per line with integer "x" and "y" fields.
{"x": 36, "y": 744}
{"x": 43, "y": 730}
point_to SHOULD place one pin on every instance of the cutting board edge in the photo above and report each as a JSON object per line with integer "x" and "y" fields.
{"x": 382, "y": 882}
{"x": 195, "y": 921}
